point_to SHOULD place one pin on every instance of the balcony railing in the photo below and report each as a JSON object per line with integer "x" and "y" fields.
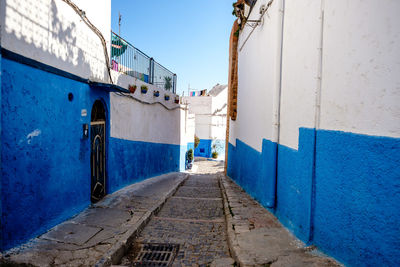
{"x": 127, "y": 59}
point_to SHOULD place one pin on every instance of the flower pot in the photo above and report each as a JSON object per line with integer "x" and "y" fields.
{"x": 156, "y": 94}
{"x": 132, "y": 88}
{"x": 166, "y": 97}
{"x": 143, "y": 90}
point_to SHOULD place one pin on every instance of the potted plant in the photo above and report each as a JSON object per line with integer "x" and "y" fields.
{"x": 167, "y": 84}
{"x": 143, "y": 89}
{"x": 214, "y": 154}
{"x": 166, "y": 97}
{"x": 176, "y": 99}
{"x": 156, "y": 93}
{"x": 189, "y": 159}
{"x": 132, "y": 88}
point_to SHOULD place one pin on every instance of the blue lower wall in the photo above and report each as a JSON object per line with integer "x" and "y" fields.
{"x": 133, "y": 161}
{"x": 353, "y": 214}
{"x": 203, "y": 149}
{"x": 45, "y": 161}
{"x": 357, "y": 200}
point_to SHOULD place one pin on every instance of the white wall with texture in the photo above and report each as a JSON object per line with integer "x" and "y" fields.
{"x": 50, "y": 32}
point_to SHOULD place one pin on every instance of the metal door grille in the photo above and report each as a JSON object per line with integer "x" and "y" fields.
{"x": 156, "y": 254}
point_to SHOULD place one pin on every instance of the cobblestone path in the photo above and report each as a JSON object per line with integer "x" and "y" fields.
{"x": 194, "y": 219}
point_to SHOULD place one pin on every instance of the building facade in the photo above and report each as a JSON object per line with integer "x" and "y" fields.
{"x": 71, "y": 132}
{"x": 314, "y": 129}
{"x": 210, "y": 121}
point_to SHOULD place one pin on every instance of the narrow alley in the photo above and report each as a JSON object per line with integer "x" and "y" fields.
{"x": 201, "y": 218}
{"x": 193, "y": 219}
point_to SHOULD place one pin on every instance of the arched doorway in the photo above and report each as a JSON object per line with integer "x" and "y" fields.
{"x": 98, "y": 151}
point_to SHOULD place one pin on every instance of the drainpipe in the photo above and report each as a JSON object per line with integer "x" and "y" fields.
{"x": 277, "y": 105}
{"x": 317, "y": 121}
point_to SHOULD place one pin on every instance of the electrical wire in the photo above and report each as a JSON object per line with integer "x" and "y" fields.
{"x": 82, "y": 14}
{"x": 261, "y": 16}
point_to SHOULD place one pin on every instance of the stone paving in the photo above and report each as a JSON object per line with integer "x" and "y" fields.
{"x": 211, "y": 218}
{"x": 98, "y": 231}
{"x": 194, "y": 219}
{"x": 257, "y": 238}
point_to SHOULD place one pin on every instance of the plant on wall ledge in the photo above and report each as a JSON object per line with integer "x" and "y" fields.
{"x": 196, "y": 141}
{"x": 156, "y": 93}
{"x": 166, "y": 97}
{"x": 143, "y": 89}
{"x": 176, "y": 99}
{"x": 132, "y": 88}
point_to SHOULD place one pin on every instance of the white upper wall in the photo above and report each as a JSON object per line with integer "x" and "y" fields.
{"x": 199, "y": 104}
{"x": 50, "y": 32}
{"x": 258, "y": 72}
{"x": 218, "y": 128}
{"x": 219, "y": 102}
{"x": 135, "y": 121}
{"x": 361, "y": 67}
{"x": 188, "y": 128}
{"x": 209, "y": 113}
{"x": 300, "y": 67}
{"x": 358, "y": 66}
{"x": 203, "y": 126}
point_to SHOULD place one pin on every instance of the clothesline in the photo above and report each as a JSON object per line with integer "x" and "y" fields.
{"x": 198, "y": 93}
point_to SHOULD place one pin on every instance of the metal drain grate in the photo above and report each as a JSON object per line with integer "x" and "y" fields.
{"x": 156, "y": 254}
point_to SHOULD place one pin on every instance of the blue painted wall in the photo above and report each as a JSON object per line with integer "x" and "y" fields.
{"x": 354, "y": 213}
{"x": 203, "y": 149}
{"x": 357, "y": 202}
{"x": 133, "y": 161}
{"x": 254, "y": 171}
{"x": 46, "y": 162}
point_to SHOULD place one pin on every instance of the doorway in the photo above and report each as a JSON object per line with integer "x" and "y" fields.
{"x": 98, "y": 151}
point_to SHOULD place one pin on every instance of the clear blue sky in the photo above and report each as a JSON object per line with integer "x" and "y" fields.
{"x": 191, "y": 38}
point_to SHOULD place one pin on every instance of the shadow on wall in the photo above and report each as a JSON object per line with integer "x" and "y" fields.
{"x": 45, "y": 34}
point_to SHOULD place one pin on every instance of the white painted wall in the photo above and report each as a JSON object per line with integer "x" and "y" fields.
{"x": 300, "y": 66}
{"x": 210, "y": 115}
{"x": 258, "y": 71}
{"x": 218, "y": 127}
{"x": 203, "y": 129}
{"x": 135, "y": 121}
{"x": 188, "y": 128}
{"x": 199, "y": 104}
{"x": 359, "y": 67}
{"x": 50, "y": 31}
